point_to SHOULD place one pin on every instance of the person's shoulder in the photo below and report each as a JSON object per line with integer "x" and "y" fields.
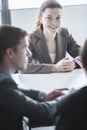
{"x": 2, "y": 77}
{"x": 71, "y": 100}
{"x": 6, "y": 80}
{"x": 78, "y": 94}
{"x": 83, "y": 89}
{"x": 63, "y": 31}
{"x": 35, "y": 34}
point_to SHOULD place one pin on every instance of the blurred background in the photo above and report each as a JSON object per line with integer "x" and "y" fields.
{"x": 24, "y": 14}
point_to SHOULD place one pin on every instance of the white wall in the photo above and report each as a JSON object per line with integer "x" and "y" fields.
{"x": 0, "y": 18}
{"x": 74, "y": 18}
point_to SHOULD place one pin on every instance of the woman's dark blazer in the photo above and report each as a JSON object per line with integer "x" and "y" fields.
{"x": 41, "y": 61}
{"x": 16, "y": 103}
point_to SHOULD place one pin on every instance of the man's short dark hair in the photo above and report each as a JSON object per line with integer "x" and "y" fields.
{"x": 9, "y": 38}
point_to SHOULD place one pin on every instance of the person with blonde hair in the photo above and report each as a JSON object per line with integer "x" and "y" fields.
{"x": 49, "y": 42}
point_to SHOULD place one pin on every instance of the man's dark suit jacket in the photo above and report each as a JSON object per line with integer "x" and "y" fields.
{"x": 72, "y": 111}
{"x": 16, "y": 103}
{"x": 41, "y": 61}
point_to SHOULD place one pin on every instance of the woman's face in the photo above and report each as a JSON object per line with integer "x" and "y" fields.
{"x": 51, "y": 19}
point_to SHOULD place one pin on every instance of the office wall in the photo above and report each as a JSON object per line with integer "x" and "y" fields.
{"x": 24, "y": 18}
{"x": 0, "y": 18}
{"x": 74, "y": 18}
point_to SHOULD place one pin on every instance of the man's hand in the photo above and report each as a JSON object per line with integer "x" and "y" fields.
{"x": 54, "y": 94}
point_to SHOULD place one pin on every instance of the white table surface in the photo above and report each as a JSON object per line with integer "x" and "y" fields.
{"x": 48, "y": 82}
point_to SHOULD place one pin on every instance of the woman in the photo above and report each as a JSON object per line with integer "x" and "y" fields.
{"x": 50, "y": 42}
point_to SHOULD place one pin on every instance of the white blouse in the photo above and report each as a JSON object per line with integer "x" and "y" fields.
{"x": 52, "y": 56}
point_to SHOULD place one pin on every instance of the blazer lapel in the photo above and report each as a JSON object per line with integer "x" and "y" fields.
{"x": 60, "y": 51}
{"x": 42, "y": 47}
{"x": 43, "y": 50}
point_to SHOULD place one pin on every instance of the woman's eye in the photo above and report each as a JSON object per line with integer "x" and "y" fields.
{"x": 58, "y": 17}
{"x": 49, "y": 18}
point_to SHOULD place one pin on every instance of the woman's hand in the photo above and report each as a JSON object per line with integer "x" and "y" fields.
{"x": 63, "y": 65}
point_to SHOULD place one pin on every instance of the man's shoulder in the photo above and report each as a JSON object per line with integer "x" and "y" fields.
{"x": 2, "y": 77}
{"x": 5, "y": 79}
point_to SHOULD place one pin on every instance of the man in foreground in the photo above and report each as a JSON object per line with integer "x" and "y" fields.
{"x": 18, "y": 107}
{"x": 72, "y": 109}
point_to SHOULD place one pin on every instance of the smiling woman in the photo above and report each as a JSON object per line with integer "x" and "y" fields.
{"x": 49, "y": 42}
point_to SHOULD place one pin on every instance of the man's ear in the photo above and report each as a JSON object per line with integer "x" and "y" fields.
{"x": 9, "y": 52}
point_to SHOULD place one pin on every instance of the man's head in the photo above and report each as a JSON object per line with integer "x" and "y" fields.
{"x": 14, "y": 50}
{"x": 84, "y": 56}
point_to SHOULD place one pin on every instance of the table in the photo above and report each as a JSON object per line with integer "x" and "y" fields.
{"x": 47, "y": 82}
